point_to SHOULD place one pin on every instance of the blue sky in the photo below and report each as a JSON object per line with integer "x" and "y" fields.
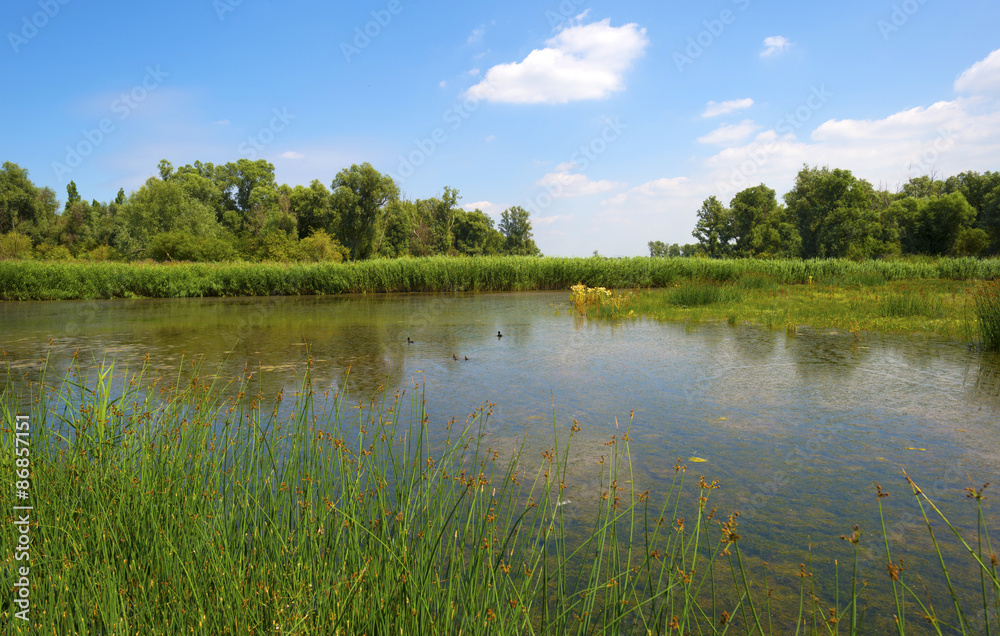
{"x": 609, "y": 121}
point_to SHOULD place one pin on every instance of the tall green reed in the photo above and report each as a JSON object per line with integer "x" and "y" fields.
{"x": 44, "y": 280}
{"x": 167, "y": 505}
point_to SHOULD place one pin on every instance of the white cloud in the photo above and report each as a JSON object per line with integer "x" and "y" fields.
{"x": 549, "y": 220}
{"x": 492, "y": 209}
{"x": 491, "y": 138}
{"x": 714, "y": 109}
{"x": 982, "y": 78}
{"x": 727, "y": 134}
{"x": 775, "y": 44}
{"x": 223, "y": 122}
{"x": 476, "y": 35}
{"x": 946, "y": 138}
{"x": 580, "y": 62}
{"x": 442, "y": 83}
{"x": 291, "y": 154}
{"x": 473, "y": 72}
{"x": 564, "y": 183}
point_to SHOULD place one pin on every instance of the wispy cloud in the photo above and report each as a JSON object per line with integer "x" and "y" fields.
{"x": 580, "y": 62}
{"x": 477, "y": 35}
{"x": 714, "y": 109}
{"x": 291, "y": 154}
{"x": 775, "y": 44}
{"x": 727, "y": 134}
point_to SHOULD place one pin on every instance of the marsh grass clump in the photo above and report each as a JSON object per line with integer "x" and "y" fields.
{"x": 756, "y": 281}
{"x": 697, "y": 295}
{"x": 907, "y": 302}
{"x": 988, "y": 312}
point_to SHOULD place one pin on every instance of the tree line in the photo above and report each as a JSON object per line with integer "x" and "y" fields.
{"x": 833, "y": 214}
{"x": 237, "y": 211}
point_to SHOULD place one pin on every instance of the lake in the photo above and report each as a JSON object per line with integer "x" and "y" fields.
{"x": 797, "y": 427}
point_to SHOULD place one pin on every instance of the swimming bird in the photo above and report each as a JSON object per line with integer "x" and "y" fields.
{"x": 499, "y": 335}
{"x": 466, "y": 357}
{"x": 408, "y": 341}
{"x": 454, "y": 357}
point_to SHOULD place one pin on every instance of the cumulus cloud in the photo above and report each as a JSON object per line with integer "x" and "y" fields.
{"x": 946, "y": 137}
{"x": 982, "y": 78}
{"x": 492, "y": 209}
{"x": 774, "y": 44}
{"x": 727, "y": 134}
{"x": 565, "y": 183}
{"x": 714, "y": 109}
{"x": 582, "y": 61}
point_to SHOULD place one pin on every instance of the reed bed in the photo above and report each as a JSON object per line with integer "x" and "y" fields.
{"x": 188, "y": 506}
{"x": 988, "y": 310}
{"x": 46, "y": 280}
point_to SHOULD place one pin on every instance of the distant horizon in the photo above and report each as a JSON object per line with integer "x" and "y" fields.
{"x": 609, "y": 124}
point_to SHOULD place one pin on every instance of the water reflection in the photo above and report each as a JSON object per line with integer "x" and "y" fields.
{"x": 798, "y": 427}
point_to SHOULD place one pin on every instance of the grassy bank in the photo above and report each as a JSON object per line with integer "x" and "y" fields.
{"x": 34, "y": 280}
{"x": 961, "y": 310}
{"x": 214, "y": 509}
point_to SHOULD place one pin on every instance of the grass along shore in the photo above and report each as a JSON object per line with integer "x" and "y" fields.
{"x": 961, "y": 310}
{"x": 46, "y": 280}
{"x": 194, "y": 506}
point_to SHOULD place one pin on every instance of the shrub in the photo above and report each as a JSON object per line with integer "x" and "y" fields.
{"x": 14, "y": 245}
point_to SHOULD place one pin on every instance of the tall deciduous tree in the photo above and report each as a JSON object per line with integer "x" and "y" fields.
{"x": 476, "y": 234}
{"x": 360, "y": 195}
{"x": 714, "y": 228}
{"x": 836, "y": 215}
{"x": 24, "y": 208}
{"x": 515, "y": 225}
{"x": 160, "y": 206}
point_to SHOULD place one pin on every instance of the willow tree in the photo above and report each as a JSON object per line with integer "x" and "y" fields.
{"x": 360, "y": 196}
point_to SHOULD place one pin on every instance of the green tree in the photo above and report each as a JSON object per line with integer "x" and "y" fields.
{"x": 760, "y": 226}
{"x": 360, "y": 196}
{"x": 657, "y": 249}
{"x": 515, "y": 225}
{"x": 160, "y": 206}
{"x": 72, "y": 196}
{"x": 476, "y": 234}
{"x": 836, "y": 215}
{"x": 312, "y": 208}
{"x": 714, "y": 228}
{"x": 24, "y": 208}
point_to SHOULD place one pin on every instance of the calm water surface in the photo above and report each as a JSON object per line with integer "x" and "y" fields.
{"x": 797, "y": 428}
